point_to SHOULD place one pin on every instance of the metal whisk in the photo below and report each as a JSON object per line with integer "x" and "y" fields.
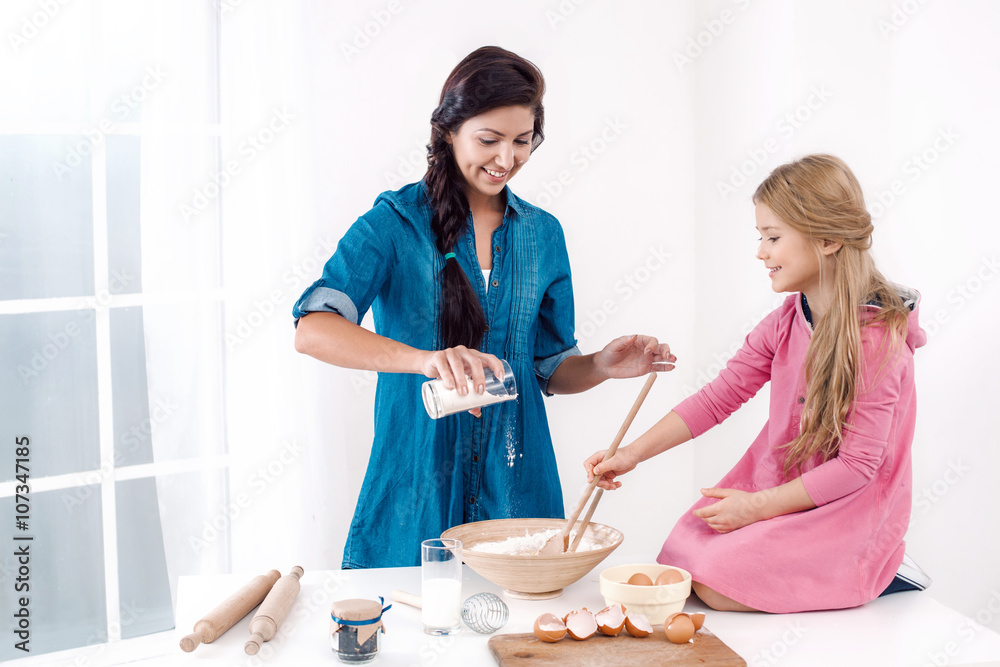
{"x": 485, "y": 613}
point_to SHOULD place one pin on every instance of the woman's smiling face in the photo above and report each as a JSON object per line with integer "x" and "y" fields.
{"x": 491, "y": 147}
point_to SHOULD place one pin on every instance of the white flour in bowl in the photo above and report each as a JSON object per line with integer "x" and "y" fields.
{"x": 530, "y": 544}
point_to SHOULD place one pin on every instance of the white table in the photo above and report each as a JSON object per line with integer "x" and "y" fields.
{"x": 905, "y": 629}
{"x": 901, "y": 629}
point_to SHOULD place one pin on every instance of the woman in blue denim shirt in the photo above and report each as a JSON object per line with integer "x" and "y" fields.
{"x": 459, "y": 273}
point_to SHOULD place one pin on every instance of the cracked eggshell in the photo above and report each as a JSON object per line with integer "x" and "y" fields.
{"x": 698, "y": 618}
{"x": 610, "y": 620}
{"x": 549, "y": 628}
{"x": 638, "y": 625}
{"x": 580, "y": 624}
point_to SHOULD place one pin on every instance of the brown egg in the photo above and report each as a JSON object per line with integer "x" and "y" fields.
{"x": 549, "y": 628}
{"x": 580, "y": 624}
{"x": 698, "y": 618}
{"x": 679, "y": 628}
{"x": 638, "y": 625}
{"x": 640, "y": 579}
{"x": 670, "y": 576}
{"x": 610, "y": 620}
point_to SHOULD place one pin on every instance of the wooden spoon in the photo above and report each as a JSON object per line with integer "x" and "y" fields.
{"x": 586, "y": 520}
{"x": 559, "y": 543}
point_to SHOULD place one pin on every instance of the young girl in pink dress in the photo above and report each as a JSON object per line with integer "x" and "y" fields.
{"x": 813, "y": 516}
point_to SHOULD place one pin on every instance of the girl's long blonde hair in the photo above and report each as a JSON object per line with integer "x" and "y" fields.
{"x": 819, "y": 197}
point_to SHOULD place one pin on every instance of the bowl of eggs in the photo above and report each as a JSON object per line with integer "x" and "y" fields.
{"x": 654, "y": 590}
{"x": 505, "y": 551}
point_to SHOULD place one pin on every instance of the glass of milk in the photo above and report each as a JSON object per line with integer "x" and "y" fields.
{"x": 441, "y": 586}
{"x": 441, "y": 402}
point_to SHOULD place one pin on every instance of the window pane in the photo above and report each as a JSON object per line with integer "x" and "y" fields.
{"x": 129, "y": 393}
{"x": 48, "y": 388}
{"x": 197, "y": 520}
{"x": 66, "y": 598}
{"x": 46, "y": 217}
{"x": 184, "y": 354}
{"x": 124, "y": 246}
{"x": 144, "y": 589}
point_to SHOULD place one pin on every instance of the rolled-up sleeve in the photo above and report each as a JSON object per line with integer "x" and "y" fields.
{"x": 555, "y": 340}
{"x": 356, "y": 272}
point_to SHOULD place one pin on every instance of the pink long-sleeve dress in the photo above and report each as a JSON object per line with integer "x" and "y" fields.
{"x": 845, "y": 551}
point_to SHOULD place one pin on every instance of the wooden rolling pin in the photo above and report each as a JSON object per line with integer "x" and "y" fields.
{"x": 273, "y": 610}
{"x": 230, "y": 611}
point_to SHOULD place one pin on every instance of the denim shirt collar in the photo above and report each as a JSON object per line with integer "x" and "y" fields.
{"x": 514, "y": 203}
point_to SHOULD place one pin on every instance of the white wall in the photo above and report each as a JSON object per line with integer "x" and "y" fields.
{"x": 300, "y": 431}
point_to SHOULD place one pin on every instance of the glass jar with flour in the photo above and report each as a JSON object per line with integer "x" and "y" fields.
{"x": 441, "y": 402}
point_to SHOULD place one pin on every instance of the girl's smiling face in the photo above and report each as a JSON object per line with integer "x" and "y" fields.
{"x": 491, "y": 147}
{"x": 794, "y": 262}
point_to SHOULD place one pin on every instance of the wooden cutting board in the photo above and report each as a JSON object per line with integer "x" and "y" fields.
{"x": 524, "y": 650}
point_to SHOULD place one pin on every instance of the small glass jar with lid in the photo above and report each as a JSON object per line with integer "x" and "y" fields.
{"x": 356, "y": 629}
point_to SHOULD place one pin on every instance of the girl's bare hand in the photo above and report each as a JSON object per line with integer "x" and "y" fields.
{"x": 622, "y": 462}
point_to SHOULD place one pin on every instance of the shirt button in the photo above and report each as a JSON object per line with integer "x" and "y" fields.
{"x": 495, "y": 283}
{"x": 496, "y": 248}
{"x": 802, "y": 399}
{"x": 475, "y": 458}
{"x": 472, "y": 500}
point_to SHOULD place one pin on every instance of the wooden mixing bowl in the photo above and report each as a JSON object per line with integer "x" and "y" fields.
{"x": 531, "y": 577}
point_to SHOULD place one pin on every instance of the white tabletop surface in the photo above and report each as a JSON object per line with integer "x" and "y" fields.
{"x": 901, "y": 629}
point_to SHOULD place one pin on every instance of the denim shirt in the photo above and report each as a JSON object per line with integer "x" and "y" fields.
{"x": 424, "y": 475}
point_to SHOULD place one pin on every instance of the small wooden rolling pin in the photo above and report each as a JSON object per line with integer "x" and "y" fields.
{"x": 273, "y": 610}
{"x": 230, "y": 611}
